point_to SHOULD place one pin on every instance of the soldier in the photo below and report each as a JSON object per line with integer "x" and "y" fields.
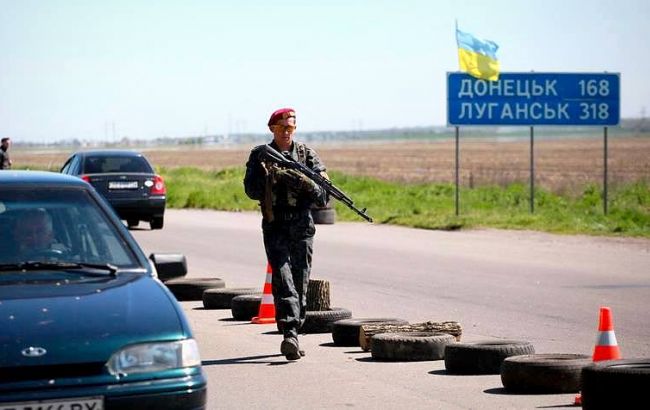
{"x": 5, "y": 162}
{"x": 286, "y": 197}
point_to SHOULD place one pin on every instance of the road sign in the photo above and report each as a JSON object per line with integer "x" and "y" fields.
{"x": 534, "y": 99}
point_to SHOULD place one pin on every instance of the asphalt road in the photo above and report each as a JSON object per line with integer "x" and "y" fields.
{"x": 542, "y": 288}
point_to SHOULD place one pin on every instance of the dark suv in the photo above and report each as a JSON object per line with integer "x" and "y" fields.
{"x": 126, "y": 179}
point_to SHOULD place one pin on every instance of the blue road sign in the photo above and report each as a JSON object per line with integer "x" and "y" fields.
{"x": 534, "y": 99}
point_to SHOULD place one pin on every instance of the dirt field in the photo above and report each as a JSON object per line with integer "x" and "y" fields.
{"x": 560, "y": 165}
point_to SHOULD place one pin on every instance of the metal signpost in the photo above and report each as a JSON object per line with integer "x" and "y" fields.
{"x": 530, "y": 99}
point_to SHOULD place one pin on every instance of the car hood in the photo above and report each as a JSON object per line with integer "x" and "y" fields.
{"x": 81, "y": 321}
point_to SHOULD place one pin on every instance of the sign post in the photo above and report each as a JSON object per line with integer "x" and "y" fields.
{"x": 530, "y": 99}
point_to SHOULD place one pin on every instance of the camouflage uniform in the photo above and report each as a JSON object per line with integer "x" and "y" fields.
{"x": 289, "y": 237}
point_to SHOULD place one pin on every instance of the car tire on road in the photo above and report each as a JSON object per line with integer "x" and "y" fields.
{"x": 345, "y": 332}
{"x": 615, "y": 384}
{"x": 543, "y": 373}
{"x": 221, "y": 298}
{"x": 157, "y": 222}
{"x": 245, "y": 307}
{"x": 410, "y": 346}
{"x": 132, "y": 223}
{"x": 483, "y": 357}
{"x": 193, "y": 288}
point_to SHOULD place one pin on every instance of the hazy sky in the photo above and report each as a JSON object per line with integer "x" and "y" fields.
{"x": 76, "y": 69}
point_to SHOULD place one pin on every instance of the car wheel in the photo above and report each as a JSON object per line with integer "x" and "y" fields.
{"x": 156, "y": 222}
{"x": 132, "y": 223}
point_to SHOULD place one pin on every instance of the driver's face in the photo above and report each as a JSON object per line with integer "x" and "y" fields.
{"x": 33, "y": 234}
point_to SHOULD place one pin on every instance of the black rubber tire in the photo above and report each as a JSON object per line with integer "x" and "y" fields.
{"x": 245, "y": 307}
{"x": 543, "y": 373}
{"x": 169, "y": 265}
{"x": 324, "y": 216}
{"x": 193, "y": 288}
{"x": 410, "y": 346}
{"x": 616, "y": 384}
{"x": 221, "y": 298}
{"x": 321, "y": 321}
{"x": 484, "y": 356}
{"x": 157, "y": 222}
{"x": 132, "y": 223}
{"x": 345, "y": 332}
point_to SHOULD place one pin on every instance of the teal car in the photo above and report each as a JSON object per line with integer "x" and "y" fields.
{"x": 84, "y": 321}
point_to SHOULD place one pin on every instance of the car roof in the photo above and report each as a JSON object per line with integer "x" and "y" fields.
{"x": 110, "y": 153}
{"x": 32, "y": 178}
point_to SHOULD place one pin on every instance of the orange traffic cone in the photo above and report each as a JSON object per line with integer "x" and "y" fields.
{"x": 606, "y": 346}
{"x": 266, "y": 313}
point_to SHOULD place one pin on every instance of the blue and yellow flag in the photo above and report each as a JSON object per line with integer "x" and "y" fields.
{"x": 477, "y": 57}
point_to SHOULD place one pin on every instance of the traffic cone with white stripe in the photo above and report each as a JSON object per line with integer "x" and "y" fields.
{"x": 606, "y": 346}
{"x": 266, "y": 313}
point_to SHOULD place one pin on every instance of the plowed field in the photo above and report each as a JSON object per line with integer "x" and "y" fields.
{"x": 560, "y": 165}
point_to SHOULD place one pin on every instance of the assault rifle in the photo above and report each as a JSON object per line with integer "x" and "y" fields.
{"x": 268, "y": 153}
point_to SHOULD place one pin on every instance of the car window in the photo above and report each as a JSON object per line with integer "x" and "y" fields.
{"x": 74, "y": 165}
{"x": 103, "y": 164}
{"x": 66, "y": 167}
{"x": 79, "y": 231}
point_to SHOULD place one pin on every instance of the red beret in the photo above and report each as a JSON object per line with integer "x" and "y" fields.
{"x": 283, "y": 116}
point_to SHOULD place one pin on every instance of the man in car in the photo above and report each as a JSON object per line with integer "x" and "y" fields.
{"x": 5, "y": 161}
{"x": 33, "y": 235}
{"x": 286, "y": 197}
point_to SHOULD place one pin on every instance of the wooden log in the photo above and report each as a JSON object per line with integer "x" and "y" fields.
{"x": 367, "y": 331}
{"x": 318, "y": 295}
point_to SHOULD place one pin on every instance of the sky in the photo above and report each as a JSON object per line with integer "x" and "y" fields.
{"x": 104, "y": 70}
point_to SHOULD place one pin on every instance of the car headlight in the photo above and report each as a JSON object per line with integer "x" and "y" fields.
{"x": 151, "y": 357}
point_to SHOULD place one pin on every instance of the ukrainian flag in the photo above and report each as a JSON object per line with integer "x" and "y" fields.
{"x": 477, "y": 57}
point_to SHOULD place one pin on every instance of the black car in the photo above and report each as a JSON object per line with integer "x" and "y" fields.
{"x": 84, "y": 321}
{"x": 126, "y": 179}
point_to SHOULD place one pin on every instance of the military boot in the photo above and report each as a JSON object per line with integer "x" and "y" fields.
{"x": 289, "y": 348}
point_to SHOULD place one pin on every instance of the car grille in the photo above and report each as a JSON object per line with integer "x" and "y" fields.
{"x": 25, "y": 373}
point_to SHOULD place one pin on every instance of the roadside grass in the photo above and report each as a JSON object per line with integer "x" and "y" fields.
{"x": 432, "y": 206}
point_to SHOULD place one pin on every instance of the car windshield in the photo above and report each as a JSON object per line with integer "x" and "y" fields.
{"x": 105, "y": 164}
{"x": 58, "y": 226}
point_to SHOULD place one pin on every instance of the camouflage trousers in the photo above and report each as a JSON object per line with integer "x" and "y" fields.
{"x": 289, "y": 242}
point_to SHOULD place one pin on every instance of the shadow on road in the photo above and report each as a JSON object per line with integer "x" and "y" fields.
{"x": 246, "y": 360}
{"x": 441, "y": 373}
{"x": 497, "y": 390}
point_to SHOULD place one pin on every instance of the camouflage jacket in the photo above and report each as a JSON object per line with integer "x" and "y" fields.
{"x": 284, "y": 197}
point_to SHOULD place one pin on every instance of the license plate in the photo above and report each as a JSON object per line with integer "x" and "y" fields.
{"x": 79, "y": 403}
{"x": 123, "y": 185}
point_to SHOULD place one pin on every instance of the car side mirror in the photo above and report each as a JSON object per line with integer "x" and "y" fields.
{"x": 169, "y": 265}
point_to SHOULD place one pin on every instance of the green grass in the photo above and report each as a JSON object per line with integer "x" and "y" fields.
{"x": 431, "y": 206}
